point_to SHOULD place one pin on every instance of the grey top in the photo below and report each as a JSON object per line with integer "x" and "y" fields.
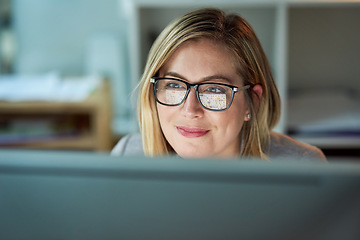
{"x": 281, "y": 147}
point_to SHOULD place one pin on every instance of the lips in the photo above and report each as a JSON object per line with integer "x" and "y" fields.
{"x": 191, "y": 132}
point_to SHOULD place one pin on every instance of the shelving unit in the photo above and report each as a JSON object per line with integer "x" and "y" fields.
{"x": 90, "y": 122}
{"x": 324, "y": 55}
{"x": 310, "y": 44}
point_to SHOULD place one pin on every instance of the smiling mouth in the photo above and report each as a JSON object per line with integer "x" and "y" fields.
{"x": 192, "y": 132}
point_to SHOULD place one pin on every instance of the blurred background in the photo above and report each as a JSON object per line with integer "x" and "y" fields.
{"x": 68, "y": 69}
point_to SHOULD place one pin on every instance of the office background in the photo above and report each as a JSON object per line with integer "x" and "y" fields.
{"x": 313, "y": 47}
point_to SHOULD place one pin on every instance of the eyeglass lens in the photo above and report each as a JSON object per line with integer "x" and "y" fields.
{"x": 212, "y": 96}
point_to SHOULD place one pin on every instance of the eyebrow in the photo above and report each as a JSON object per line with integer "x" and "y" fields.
{"x": 209, "y": 78}
{"x": 174, "y": 74}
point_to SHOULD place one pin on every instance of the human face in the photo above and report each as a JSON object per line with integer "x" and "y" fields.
{"x": 191, "y": 130}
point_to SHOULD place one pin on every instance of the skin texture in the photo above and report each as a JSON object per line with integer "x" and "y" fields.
{"x": 191, "y": 130}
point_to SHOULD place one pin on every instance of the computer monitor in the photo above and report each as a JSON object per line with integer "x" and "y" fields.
{"x": 68, "y": 195}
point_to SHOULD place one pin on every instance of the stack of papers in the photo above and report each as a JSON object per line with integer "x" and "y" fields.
{"x": 48, "y": 87}
{"x": 332, "y": 111}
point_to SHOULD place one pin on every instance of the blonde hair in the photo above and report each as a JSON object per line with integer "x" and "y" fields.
{"x": 237, "y": 35}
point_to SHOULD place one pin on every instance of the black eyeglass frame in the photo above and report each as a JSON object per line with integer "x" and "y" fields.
{"x": 234, "y": 90}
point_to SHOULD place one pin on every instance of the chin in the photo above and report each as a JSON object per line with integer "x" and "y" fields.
{"x": 195, "y": 154}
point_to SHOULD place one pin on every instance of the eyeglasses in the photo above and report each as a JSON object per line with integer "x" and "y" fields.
{"x": 211, "y": 96}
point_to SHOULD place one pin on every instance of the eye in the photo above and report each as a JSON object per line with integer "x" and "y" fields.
{"x": 174, "y": 85}
{"x": 214, "y": 89}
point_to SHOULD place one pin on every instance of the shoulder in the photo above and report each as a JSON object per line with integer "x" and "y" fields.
{"x": 128, "y": 145}
{"x": 283, "y": 146}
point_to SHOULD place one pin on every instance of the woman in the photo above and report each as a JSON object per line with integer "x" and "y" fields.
{"x": 208, "y": 91}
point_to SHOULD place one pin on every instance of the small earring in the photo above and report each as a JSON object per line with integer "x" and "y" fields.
{"x": 249, "y": 116}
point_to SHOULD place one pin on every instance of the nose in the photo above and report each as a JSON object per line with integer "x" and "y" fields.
{"x": 192, "y": 107}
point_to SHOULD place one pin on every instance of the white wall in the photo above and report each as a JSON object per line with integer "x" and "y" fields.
{"x": 52, "y": 34}
{"x": 324, "y": 47}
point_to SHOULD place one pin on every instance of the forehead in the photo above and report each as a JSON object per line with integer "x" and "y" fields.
{"x": 197, "y": 59}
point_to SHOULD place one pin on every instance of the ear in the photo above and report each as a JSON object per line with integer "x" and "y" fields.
{"x": 256, "y": 94}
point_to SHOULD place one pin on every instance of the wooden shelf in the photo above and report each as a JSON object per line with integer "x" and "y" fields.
{"x": 82, "y": 142}
{"x": 94, "y": 135}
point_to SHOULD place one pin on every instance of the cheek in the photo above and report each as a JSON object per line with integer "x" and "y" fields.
{"x": 164, "y": 114}
{"x": 231, "y": 125}
{"x": 239, "y": 107}
{"x": 231, "y": 121}
{"x": 161, "y": 112}
{"x": 234, "y": 117}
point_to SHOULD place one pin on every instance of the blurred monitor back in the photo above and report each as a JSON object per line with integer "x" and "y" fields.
{"x": 68, "y": 195}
